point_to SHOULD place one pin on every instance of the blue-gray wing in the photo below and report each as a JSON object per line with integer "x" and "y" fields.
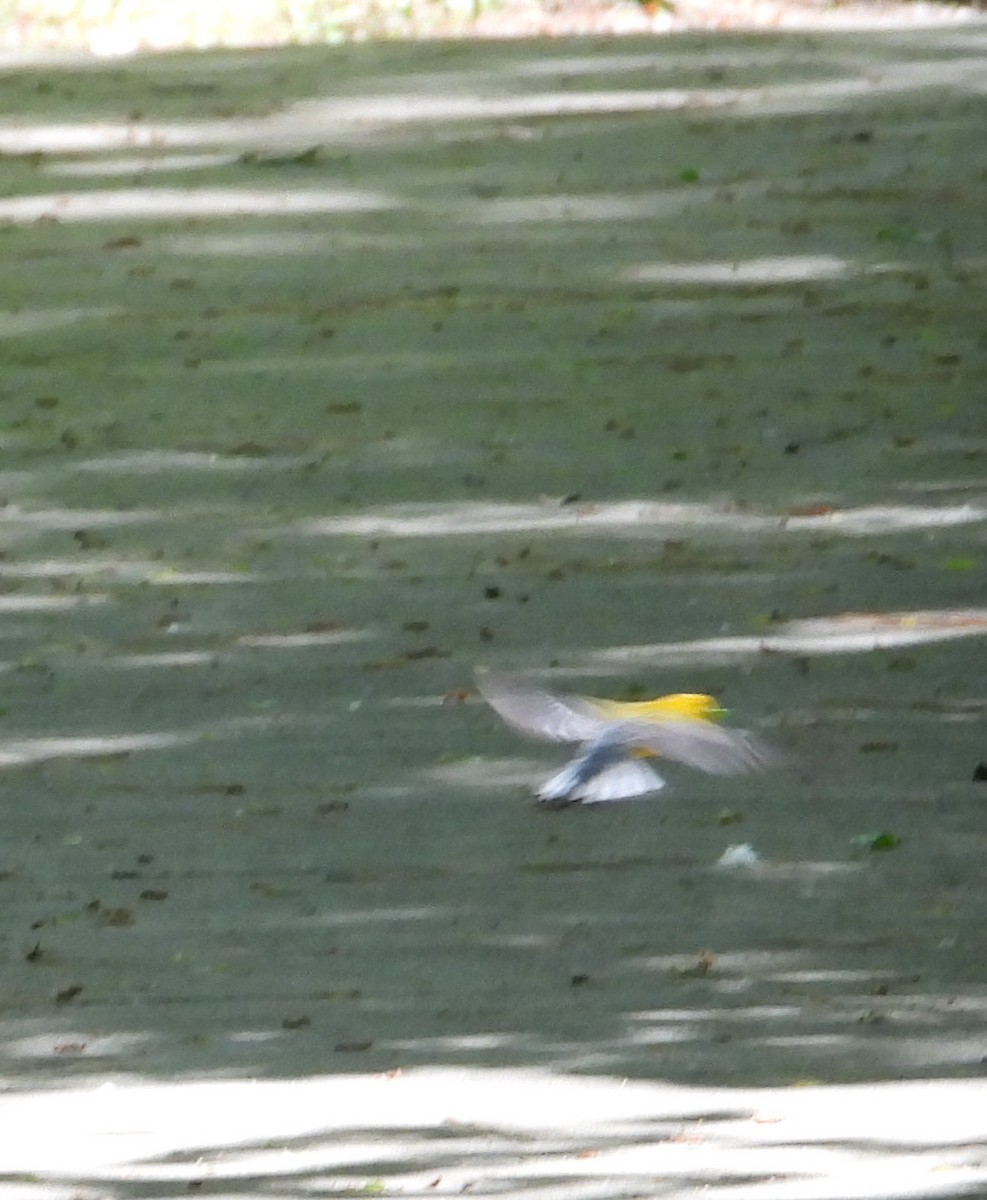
{"x": 713, "y": 748}
{"x": 540, "y": 714}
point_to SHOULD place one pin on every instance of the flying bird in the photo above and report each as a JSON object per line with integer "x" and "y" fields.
{"x": 616, "y": 738}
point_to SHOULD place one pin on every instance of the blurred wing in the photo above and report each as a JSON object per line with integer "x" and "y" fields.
{"x": 539, "y": 714}
{"x": 712, "y": 748}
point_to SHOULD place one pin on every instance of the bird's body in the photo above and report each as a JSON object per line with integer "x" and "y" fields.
{"x": 691, "y": 705}
{"x": 616, "y": 738}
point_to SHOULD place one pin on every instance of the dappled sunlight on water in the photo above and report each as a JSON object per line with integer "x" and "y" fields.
{"x": 41, "y": 604}
{"x": 740, "y": 272}
{"x": 150, "y": 462}
{"x": 599, "y": 207}
{"x": 24, "y": 751}
{"x": 139, "y": 164}
{"x": 844, "y": 633}
{"x": 153, "y": 204}
{"x": 485, "y": 773}
{"x": 432, "y": 367}
{"x": 292, "y": 641}
{"x": 25, "y": 322}
{"x": 445, "y": 1132}
{"x": 19, "y": 518}
{"x": 635, "y": 517}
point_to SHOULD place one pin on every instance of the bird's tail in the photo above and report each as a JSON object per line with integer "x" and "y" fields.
{"x": 622, "y": 780}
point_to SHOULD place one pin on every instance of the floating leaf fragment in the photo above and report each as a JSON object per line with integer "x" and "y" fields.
{"x": 812, "y": 510}
{"x": 273, "y": 891}
{"x": 741, "y": 855}
{"x": 702, "y": 966}
{"x": 875, "y": 842}
{"x": 300, "y": 158}
{"x": 331, "y": 806}
{"x": 117, "y": 918}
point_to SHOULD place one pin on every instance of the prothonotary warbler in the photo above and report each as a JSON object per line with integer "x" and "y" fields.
{"x": 616, "y": 738}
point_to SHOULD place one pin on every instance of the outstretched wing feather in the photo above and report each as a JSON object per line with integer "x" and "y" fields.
{"x": 716, "y": 749}
{"x": 540, "y": 714}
